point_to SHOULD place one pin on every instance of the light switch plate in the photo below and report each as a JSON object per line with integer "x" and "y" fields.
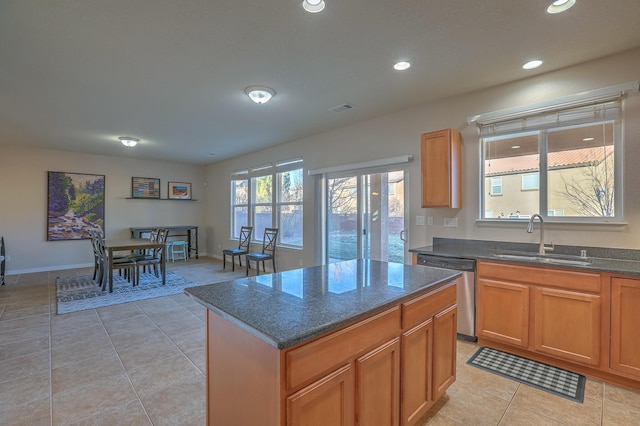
{"x": 430, "y": 220}
{"x": 451, "y": 222}
{"x": 419, "y": 220}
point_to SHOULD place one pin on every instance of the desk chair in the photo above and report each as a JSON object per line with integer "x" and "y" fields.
{"x": 269, "y": 241}
{"x": 243, "y": 248}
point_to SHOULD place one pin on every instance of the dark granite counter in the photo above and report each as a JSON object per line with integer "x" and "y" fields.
{"x": 291, "y": 307}
{"x": 613, "y": 260}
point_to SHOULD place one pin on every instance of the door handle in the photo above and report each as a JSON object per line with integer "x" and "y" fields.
{"x": 403, "y": 235}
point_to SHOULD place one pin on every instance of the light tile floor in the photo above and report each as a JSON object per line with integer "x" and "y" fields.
{"x": 143, "y": 363}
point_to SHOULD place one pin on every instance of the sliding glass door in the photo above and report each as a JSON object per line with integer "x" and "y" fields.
{"x": 365, "y": 216}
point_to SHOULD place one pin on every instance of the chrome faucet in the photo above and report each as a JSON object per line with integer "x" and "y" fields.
{"x": 543, "y": 249}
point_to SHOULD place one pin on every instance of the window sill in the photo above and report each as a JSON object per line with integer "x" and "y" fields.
{"x": 553, "y": 224}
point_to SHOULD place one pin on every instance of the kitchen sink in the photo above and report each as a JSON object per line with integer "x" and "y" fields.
{"x": 544, "y": 259}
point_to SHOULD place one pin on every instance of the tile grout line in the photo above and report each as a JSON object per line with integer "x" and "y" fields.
{"x": 123, "y": 367}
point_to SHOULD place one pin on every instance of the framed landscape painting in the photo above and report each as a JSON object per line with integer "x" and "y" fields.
{"x": 142, "y": 187}
{"x": 179, "y": 191}
{"x": 75, "y": 205}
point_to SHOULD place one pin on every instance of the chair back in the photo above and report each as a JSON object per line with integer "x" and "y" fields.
{"x": 161, "y": 237}
{"x": 269, "y": 241}
{"x": 245, "y": 237}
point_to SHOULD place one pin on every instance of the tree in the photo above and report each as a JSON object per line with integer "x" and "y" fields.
{"x": 592, "y": 194}
{"x": 339, "y": 195}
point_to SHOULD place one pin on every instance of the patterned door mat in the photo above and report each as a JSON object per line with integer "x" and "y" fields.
{"x": 542, "y": 376}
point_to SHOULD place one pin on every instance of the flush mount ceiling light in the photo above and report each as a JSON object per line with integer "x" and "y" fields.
{"x": 128, "y": 141}
{"x": 313, "y": 6}
{"x": 532, "y": 64}
{"x": 260, "y": 94}
{"x": 401, "y": 66}
{"x": 558, "y": 6}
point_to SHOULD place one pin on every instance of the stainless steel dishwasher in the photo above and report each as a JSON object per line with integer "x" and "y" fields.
{"x": 466, "y": 290}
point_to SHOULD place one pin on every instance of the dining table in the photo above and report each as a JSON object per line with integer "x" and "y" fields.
{"x": 129, "y": 244}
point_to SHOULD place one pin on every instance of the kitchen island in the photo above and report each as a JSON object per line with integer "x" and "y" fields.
{"x": 330, "y": 344}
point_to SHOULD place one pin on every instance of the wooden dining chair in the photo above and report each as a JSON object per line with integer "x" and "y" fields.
{"x": 269, "y": 241}
{"x": 243, "y": 248}
{"x": 154, "y": 257}
{"x": 122, "y": 263}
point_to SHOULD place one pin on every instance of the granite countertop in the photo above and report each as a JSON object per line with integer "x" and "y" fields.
{"x": 613, "y": 260}
{"x": 291, "y": 307}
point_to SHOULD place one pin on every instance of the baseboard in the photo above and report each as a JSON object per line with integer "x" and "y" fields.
{"x": 64, "y": 267}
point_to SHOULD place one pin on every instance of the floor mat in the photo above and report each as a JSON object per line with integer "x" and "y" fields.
{"x": 542, "y": 376}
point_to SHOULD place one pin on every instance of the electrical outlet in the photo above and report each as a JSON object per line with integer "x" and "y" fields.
{"x": 430, "y": 220}
{"x": 419, "y": 220}
{"x": 451, "y": 222}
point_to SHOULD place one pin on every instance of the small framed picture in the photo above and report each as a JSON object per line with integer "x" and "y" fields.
{"x": 179, "y": 191}
{"x": 142, "y": 187}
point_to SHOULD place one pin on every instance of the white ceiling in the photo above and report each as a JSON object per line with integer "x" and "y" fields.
{"x": 76, "y": 74}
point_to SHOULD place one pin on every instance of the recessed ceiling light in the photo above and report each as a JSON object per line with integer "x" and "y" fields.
{"x": 515, "y": 147}
{"x": 558, "y": 6}
{"x": 401, "y": 66}
{"x": 313, "y": 6}
{"x": 260, "y": 94}
{"x": 532, "y": 64}
{"x": 588, "y": 139}
{"x": 128, "y": 141}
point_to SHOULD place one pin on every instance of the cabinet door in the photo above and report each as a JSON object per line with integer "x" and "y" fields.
{"x": 567, "y": 325}
{"x": 329, "y": 401}
{"x": 625, "y": 323}
{"x": 444, "y": 351}
{"x": 417, "y": 344}
{"x": 378, "y": 386}
{"x": 503, "y": 312}
{"x": 441, "y": 171}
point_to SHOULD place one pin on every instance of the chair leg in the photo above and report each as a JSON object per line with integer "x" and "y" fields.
{"x": 273, "y": 261}
{"x": 247, "y": 260}
{"x": 224, "y": 261}
{"x": 233, "y": 263}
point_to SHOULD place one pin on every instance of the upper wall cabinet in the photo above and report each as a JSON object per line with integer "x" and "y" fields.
{"x": 441, "y": 169}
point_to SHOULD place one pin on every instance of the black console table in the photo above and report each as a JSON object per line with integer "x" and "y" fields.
{"x": 189, "y": 231}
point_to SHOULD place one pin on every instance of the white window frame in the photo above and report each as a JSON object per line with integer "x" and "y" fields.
{"x": 274, "y": 171}
{"x": 532, "y": 188}
{"x": 538, "y": 118}
{"x": 281, "y": 168}
{"x": 242, "y": 175}
{"x": 496, "y": 178}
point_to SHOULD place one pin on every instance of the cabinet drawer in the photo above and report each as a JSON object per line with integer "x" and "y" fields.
{"x": 426, "y": 306}
{"x": 543, "y": 275}
{"x": 340, "y": 347}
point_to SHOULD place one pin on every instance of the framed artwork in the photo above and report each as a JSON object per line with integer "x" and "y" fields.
{"x": 179, "y": 191}
{"x": 142, "y": 187}
{"x": 75, "y": 205}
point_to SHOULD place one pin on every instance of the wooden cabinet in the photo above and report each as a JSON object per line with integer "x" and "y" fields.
{"x": 567, "y": 325}
{"x": 328, "y": 401}
{"x": 625, "y": 324}
{"x": 428, "y": 352}
{"x": 441, "y": 165}
{"x": 556, "y": 312}
{"x": 363, "y": 374}
{"x": 378, "y": 386}
{"x": 502, "y": 311}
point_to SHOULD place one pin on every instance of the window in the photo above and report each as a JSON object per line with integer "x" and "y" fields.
{"x": 239, "y": 202}
{"x": 560, "y": 162}
{"x": 257, "y": 193}
{"x": 289, "y": 204}
{"x": 496, "y": 185}
{"x": 530, "y": 181}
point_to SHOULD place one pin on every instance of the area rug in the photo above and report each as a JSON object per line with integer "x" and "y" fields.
{"x": 542, "y": 376}
{"x": 81, "y": 292}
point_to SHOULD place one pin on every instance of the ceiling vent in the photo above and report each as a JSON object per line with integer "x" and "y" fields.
{"x": 340, "y": 108}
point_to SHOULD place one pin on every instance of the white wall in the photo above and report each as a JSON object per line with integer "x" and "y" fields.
{"x": 23, "y": 203}
{"x": 399, "y": 133}
{"x": 23, "y": 177}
